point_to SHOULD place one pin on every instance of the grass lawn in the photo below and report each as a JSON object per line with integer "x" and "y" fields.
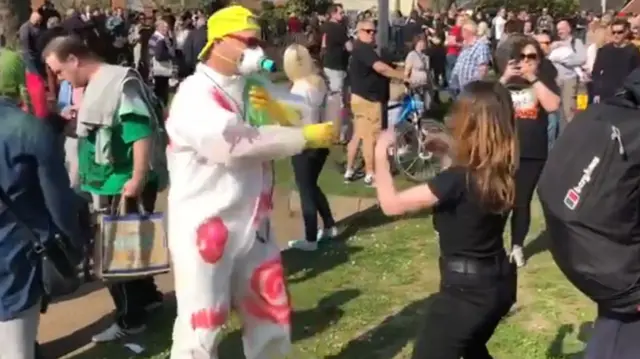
{"x": 331, "y": 180}
{"x": 363, "y": 297}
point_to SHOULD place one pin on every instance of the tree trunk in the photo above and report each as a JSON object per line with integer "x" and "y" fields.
{"x": 12, "y": 14}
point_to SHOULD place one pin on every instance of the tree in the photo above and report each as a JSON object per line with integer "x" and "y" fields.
{"x": 12, "y": 14}
{"x": 558, "y": 7}
{"x": 306, "y": 7}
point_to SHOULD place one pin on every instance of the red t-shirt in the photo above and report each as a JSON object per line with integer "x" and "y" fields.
{"x": 294, "y": 24}
{"x": 455, "y": 31}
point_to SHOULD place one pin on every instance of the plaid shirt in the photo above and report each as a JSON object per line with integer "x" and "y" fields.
{"x": 470, "y": 59}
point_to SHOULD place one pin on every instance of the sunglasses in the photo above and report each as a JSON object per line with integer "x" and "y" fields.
{"x": 369, "y": 31}
{"x": 250, "y": 42}
{"x": 530, "y": 56}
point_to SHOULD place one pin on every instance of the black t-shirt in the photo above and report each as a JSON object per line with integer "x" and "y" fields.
{"x": 465, "y": 227}
{"x": 531, "y": 117}
{"x": 336, "y": 55}
{"x": 410, "y": 30}
{"x": 365, "y": 81}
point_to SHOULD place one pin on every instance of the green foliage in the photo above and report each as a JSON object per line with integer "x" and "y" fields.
{"x": 558, "y": 7}
{"x": 306, "y": 7}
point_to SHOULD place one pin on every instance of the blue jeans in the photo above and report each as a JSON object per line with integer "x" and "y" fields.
{"x": 450, "y": 63}
{"x": 553, "y": 127}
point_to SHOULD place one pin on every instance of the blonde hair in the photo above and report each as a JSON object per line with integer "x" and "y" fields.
{"x": 483, "y": 29}
{"x": 470, "y": 25}
{"x": 600, "y": 36}
{"x": 299, "y": 65}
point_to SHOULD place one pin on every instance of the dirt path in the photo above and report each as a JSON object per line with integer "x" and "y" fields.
{"x": 68, "y": 325}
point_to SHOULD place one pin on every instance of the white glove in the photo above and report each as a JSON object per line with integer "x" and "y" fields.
{"x": 517, "y": 256}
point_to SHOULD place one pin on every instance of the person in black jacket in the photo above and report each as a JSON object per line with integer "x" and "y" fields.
{"x": 614, "y": 62}
{"x": 193, "y": 44}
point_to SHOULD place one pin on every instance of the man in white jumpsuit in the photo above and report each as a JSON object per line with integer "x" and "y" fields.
{"x": 219, "y": 202}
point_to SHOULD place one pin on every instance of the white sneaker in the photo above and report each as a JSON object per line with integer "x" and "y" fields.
{"x": 368, "y": 180}
{"x": 303, "y": 245}
{"x": 348, "y": 176}
{"x": 327, "y": 233}
{"x": 115, "y": 332}
{"x": 403, "y": 150}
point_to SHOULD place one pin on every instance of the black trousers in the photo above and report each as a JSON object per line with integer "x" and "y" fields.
{"x": 161, "y": 88}
{"x": 614, "y": 337}
{"x": 474, "y": 296}
{"x": 306, "y": 169}
{"x": 131, "y": 297}
{"x": 526, "y": 181}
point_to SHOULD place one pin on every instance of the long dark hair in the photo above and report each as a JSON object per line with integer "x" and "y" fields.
{"x": 485, "y": 142}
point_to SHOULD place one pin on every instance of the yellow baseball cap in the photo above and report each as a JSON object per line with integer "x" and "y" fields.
{"x": 227, "y": 21}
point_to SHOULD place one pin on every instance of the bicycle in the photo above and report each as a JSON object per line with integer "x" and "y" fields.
{"x": 410, "y": 153}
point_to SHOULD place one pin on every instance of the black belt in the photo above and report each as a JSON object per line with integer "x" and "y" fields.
{"x": 474, "y": 266}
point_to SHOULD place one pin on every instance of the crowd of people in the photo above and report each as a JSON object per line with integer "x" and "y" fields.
{"x": 83, "y": 98}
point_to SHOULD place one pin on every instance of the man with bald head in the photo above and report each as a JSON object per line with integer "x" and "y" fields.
{"x": 473, "y": 62}
{"x": 28, "y": 36}
{"x": 568, "y": 68}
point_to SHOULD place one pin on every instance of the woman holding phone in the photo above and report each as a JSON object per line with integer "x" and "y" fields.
{"x": 534, "y": 94}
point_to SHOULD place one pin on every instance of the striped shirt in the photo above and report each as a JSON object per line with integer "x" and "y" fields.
{"x": 468, "y": 63}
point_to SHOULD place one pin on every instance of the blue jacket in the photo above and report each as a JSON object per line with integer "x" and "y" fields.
{"x": 33, "y": 174}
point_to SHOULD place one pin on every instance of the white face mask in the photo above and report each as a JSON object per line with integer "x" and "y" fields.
{"x": 254, "y": 60}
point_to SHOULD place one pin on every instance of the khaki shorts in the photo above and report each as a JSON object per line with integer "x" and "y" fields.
{"x": 367, "y": 118}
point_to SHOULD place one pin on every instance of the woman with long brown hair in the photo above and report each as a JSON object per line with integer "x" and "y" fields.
{"x": 471, "y": 200}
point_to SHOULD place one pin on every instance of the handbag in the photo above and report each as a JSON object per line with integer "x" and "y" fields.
{"x": 130, "y": 245}
{"x": 58, "y": 257}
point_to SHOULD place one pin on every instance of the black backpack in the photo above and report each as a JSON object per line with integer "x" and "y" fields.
{"x": 590, "y": 195}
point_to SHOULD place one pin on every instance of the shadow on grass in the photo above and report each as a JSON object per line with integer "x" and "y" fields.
{"x": 301, "y": 266}
{"x": 389, "y": 337}
{"x": 304, "y": 323}
{"x": 537, "y": 245}
{"x": 556, "y": 349}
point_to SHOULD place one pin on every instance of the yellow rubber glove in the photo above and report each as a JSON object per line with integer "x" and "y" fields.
{"x": 261, "y": 100}
{"x": 319, "y": 135}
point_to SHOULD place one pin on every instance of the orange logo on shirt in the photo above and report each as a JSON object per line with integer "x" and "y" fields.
{"x": 525, "y": 104}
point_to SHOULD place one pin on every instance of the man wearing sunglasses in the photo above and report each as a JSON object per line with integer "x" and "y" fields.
{"x": 370, "y": 76}
{"x": 614, "y": 62}
{"x": 220, "y": 200}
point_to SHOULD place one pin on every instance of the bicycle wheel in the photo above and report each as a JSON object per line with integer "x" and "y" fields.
{"x": 411, "y": 158}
